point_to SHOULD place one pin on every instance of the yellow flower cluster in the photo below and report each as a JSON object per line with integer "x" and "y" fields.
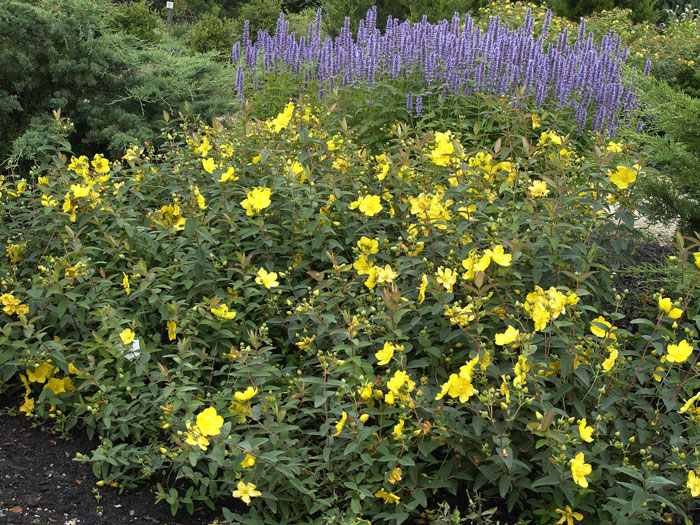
{"x": 13, "y": 306}
{"x": 543, "y": 306}
{"x": 459, "y": 386}
{"x": 208, "y": 423}
{"x": 44, "y": 373}
{"x": 170, "y": 216}
{"x": 256, "y": 200}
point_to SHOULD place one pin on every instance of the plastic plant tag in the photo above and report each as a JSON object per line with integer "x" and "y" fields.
{"x": 135, "y": 350}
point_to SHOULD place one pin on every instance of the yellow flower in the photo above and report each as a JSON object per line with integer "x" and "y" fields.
{"x": 223, "y": 312}
{"x": 58, "y": 386}
{"x": 385, "y": 354}
{"x": 41, "y": 373}
{"x": 209, "y": 422}
{"x": 398, "y": 429}
{"x": 281, "y": 120}
{"x": 208, "y": 164}
{"x": 395, "y": 475}
{"x": 499, "y": 256}
{"x": 446, "y": 277}
{"x": 678, "y": 353}
{"x": 689, "y": 403}
{"x": 256, "y": 200}
{"x": 340, "y": 424}
{"x": 366, "y": 392}
{"x": 666, "y": 305}
{"x": 28, "y": 406}
{"x": 457, "y": 387}
{"x": 538, "y": 189}
{"x": 421, "y": 289}
{"x": 696, "y": 256}
{"x": 229, "y": 174}
{"x": 125, "y": 284}
{"x": 245, "y": 492}
{"x": 568, "y": 516}
{"x": 79, "y": 165}
{"x": 693, "y": 484}
{"x": 384, "y": 275}
{"x": 585, "y": 431}
{"x": 127, "y": 336}
{"x": 304, "y": 343}
{"x": 536, "y": 122}
{"x": 610, "y": 361}
{"x": 370, "y": 205}
{"x": 248, "y": 461}
{"x": 172, "y": 326}
{"x": 100, "y": 164}
{"x": 507, "y": 337}
{"x": 388, "y": 497}
{"x": 48, "y": 201}
{"x": 622, "y": 177}
{"x": 12, "y": 305}
{"x": 368, "y": 246}
{"x": 522, "y": 367}
{"x": 267, "y": 279}
{"x": 200, "y": 198}
{"x": 364, "y": 418}
{"x": 400, "y": 379}
{"x": 614, "y": 147}
{"x": 246, "y": 395}
{"x": 195, "y": 438}
{"x": 580, "y": 469}
{"x": 599, "y": 332}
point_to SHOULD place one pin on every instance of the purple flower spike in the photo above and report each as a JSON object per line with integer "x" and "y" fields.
{"x": 448, "y": 60}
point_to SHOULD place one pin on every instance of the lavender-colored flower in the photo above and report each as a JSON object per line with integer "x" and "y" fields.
{"x": 419, "y": 105}
{"x": 500, "y": 60}
{"x": 409, "y": 101}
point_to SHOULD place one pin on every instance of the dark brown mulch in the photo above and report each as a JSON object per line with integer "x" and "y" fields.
{"x": 41, "y": 484}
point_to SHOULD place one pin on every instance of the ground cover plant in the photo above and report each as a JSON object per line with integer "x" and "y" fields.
{"x": 339, "y": 308}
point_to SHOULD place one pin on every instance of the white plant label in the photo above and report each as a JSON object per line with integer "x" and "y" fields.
{"x": 135, "y": 350}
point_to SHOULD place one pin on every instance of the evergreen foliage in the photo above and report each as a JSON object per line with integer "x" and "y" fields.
{"x": 112, "y": 86}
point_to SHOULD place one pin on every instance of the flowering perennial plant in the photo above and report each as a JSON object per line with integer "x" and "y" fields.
{"x": 361, "y": 342}
{"x": 457, "y": 56}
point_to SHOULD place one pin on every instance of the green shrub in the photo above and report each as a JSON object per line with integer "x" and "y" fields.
{"x": 136, "y": 19}
{"x": 335, "y": 11}
{"x": 299, "y": 22}
{"x": 112, "y": 86}
{"x": 672, "y": 136}
{"x": 640, "y": 10}
{"x": 261, "y": 14}
{"x": 297, "y": 6}
{"x": 340, "y": 334}
{"x": 228, "y": 8}
{"x": 212, "y": 33}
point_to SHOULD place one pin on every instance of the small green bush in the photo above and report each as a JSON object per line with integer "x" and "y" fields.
{"x": 672, "y": 135}
{"x": 297, "y": 6}
{"x": 137, "y": 19}
{"x": 261, "y": 14}
{"x": 335, "y": 11}
{"x": 212, "y": 33}
{"x": 640, "y": 10}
